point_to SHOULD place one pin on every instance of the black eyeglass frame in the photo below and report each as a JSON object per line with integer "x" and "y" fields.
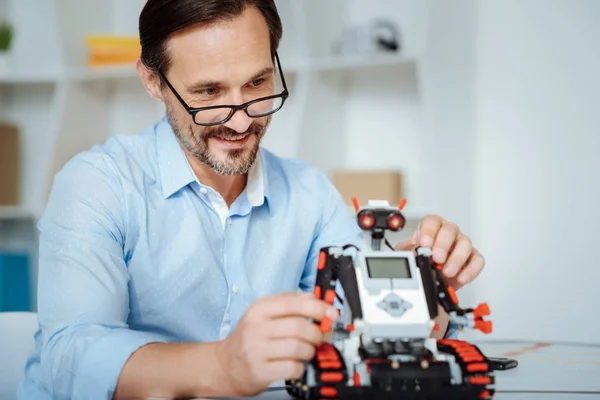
{"x": 234, "y": 108}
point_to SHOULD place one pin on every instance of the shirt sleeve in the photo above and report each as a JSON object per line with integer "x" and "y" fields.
{"x": 83, "y": 299}
{"x": 337, "y": 227}
{"x": 451, "y": 333}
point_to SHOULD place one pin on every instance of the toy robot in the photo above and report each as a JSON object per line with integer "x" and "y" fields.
{"x": 381, "y": 346}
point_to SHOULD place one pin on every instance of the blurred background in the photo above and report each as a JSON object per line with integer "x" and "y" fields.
{"x": 486, "y": 112}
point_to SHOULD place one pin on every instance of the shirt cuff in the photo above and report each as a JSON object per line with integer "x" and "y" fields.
{"x": 451, "y": 333}
{"x": 99, "y": 371}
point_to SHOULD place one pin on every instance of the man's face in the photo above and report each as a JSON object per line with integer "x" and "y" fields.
{"x": 228, "y": 63}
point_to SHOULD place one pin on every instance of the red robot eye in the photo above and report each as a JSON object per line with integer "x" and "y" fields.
{"x": 395, "y": 222}
{"x": 366, "y": 220}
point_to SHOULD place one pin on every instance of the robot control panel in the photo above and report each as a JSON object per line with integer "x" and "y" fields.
{"x": 388, "y": 268}
{"x": 391, "y": 295}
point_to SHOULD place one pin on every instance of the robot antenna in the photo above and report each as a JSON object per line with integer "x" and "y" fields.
{"x": 402, "y": 204}
{"x": 355, "y": 202}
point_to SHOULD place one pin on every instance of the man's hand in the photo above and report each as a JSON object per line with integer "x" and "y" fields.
{"x": 451, "y": 248}
{"x": 272, "y": 340}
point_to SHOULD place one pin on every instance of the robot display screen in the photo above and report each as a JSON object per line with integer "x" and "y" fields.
{"x": 388, "y": 268}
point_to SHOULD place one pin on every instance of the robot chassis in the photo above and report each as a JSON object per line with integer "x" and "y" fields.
{"x": 381, "y": 346}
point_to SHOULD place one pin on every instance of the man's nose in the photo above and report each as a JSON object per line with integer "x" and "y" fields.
{"x": 239, "y": 122}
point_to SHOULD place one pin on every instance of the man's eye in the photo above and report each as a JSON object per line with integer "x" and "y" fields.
{"x": 209, "y": 92}
{"x": 258, "y": 82}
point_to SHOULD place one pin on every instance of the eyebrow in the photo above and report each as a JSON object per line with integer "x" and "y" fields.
{"x": 201, "y": 85}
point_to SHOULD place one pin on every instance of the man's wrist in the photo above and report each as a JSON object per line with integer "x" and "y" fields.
{"x": 222, "y": 374}
{"x": 209, "y": 378}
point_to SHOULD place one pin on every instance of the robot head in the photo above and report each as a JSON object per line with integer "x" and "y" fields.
{"x": 381, "y": 218}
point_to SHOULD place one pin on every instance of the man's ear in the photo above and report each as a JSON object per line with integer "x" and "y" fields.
{"x": 150, "y": 80}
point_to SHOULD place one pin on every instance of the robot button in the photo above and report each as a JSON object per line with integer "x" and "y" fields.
{"x": 394, "y": 305}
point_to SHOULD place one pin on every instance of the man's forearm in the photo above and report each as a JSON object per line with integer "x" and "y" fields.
{"x": 172, "y": 370}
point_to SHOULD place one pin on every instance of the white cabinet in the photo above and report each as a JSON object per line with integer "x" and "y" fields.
{"x": 363, "y": 111}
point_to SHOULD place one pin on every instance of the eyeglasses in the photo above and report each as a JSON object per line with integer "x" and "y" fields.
{"x": 216, "y": 115}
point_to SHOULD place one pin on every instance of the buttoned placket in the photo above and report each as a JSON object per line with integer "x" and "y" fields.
{"x": 222, "y": 210}
{"x": 234, "y": 289}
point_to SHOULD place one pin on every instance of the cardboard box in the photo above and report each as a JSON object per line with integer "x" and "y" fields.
{"x": 9, "y": 165}
{"x": 369, "y": 185}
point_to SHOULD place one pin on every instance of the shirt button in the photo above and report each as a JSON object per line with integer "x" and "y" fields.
{"x": 235, "y": 289}
{"x": 229, "y": 221}
{"x": 203, "y": 190}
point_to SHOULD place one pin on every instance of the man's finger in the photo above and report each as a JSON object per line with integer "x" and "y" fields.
{"x": 459, "y": 256}
{"x": 294, "y": 328}
{"x": 428, "y": 229}
{"x": 472, "y": 269}
{"x": 290, "y": 349}
{"x": 283, "y": 370}
{"x": 300, "y": 305}
{"x": 444, "y": 241}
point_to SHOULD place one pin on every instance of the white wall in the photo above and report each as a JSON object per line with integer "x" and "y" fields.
{"x": 3, "y": 9}
{"x": 383, "y": 116}
{"x": 32, "y": 45}
{"x": 448, "y": 86}
{"x": 537, "y": 170}
{"x": 449, "y": 102}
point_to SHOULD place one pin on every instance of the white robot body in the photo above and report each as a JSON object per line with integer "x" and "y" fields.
{"x": 392, "y": 296}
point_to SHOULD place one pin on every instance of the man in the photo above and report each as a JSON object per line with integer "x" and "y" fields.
{"x": 170, "y": 259}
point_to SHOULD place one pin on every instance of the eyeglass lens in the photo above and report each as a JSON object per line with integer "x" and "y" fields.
{"x": 257, "y": 109}
{"x": 266, "y": 86}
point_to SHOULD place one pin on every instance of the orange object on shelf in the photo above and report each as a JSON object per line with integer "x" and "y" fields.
{"x": 112, "y": 50}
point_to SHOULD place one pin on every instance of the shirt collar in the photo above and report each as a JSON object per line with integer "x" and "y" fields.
{"x": 255, "y": 187}
{"x": 176, "y": 172}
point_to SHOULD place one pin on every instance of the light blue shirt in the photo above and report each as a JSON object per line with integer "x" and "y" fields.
{"x": 133, "y": 250}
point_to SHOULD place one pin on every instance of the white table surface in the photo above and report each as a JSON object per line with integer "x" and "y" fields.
{"x": 570, "y": 371}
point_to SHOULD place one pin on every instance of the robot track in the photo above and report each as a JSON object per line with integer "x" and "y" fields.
{"x": 406, "y": 380}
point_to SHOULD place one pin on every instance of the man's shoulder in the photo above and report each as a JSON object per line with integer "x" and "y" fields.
{"x": 98, "y": 183}
{"x": 292, "y": 171}
{"x": 120, "y": 155}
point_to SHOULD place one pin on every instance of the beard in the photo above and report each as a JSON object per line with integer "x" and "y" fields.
{"x": 237, "y": 161}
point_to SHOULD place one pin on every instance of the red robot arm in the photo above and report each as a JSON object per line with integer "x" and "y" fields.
{"x": 334, "y": 265}
{"x": 436, "y": 287}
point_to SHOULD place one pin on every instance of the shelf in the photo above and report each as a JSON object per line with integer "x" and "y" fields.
{"x": 73, "y": 74}
{"x": 333, "y": 63}
{"x": 102, "y": 72}
{"x": 340, "y": 63}
{"x": 15, "y": 213}
{"x": 28, "y": 77}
